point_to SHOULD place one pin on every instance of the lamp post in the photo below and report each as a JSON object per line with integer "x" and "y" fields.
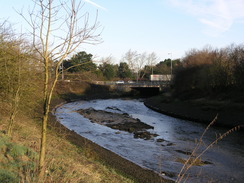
{"x": 170, "y": 64}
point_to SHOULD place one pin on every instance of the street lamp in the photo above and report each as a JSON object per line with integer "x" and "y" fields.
{"x": 170, "y": 64}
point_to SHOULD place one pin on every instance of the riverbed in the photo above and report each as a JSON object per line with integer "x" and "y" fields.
{"x": 166, "y": 152}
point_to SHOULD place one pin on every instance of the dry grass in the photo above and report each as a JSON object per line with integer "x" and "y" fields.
{"x": 65, "y": 161}
{"x": 193, "y": 161}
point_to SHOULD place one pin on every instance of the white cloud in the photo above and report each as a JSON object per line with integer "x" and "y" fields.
{"x": 217, "y": 15}
{"x": 95, "y": 4}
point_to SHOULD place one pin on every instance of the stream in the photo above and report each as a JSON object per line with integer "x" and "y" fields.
{"x": 165, "y": 153}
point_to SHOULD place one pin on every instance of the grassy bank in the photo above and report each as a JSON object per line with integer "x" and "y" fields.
{"x": 66, "y": 161}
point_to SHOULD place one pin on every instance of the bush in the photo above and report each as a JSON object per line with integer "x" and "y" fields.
{"x": 8, "y": 177}
{"x": 192, "y": 78}
{"x": 15, "y": 150}
{"x": 16, "y": 161}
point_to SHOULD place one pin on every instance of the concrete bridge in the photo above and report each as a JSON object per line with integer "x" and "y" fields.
{"x": 144, "y": 87}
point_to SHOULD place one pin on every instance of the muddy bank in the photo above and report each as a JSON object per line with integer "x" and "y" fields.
{"x": 119, "y": 122}
{"x": 203, "y": 111}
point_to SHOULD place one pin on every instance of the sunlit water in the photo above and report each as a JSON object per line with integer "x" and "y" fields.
{"x": 226, "y": 158}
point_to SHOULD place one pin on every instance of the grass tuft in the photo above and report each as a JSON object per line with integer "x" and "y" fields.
{"x": 8, "y": 177}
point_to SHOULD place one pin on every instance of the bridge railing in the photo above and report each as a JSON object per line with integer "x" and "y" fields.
{"x": 139, "y": 83}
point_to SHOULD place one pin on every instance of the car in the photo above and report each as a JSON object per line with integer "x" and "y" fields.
{"x": 119, "y": 82}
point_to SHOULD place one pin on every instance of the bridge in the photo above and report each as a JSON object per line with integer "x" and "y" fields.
{"x": 141, "y": 84}
{"x": 144, "y": 87}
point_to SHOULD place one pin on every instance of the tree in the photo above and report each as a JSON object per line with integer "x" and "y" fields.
{"x": 109, "y": 71}
{"x": 164, "y": 67}
{"x": 130, "y": 57}
{"x": 196, "y": 57}
{"x": 80, "y": 62}
{"x": 152, "y": 60}
{"x": 16, "y": 73}
{"x": 135, "y": 61}
{"x": 124, "y": 70}
{"x": 210, "y": 71}
{"x": 238, "y": 56}
{"x": 56, "y": 34}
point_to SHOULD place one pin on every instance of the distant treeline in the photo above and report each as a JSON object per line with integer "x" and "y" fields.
{"x": 211, "y": 70}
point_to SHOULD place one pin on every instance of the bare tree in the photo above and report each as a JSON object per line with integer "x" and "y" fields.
{"x": 136, "y": 62}
{"x": 152, "y": 60}
{"x": 130, "y": 57}
{"x": 106, "y": 60}
{"x": 57, "y": 31}
{"x": 139, "y": 64}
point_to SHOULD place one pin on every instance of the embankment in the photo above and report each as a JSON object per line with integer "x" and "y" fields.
{"x": 228, "y": 114}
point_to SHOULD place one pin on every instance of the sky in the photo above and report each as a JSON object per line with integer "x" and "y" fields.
{"x": 169, "y": 28}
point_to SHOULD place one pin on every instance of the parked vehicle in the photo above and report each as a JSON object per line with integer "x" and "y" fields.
{"x": 131, "y": 81}
{"x": 120, "y": 82}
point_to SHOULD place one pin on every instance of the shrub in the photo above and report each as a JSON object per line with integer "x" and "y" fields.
{"x": 8, "y": 177}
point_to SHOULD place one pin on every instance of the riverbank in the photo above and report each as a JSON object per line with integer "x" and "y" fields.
{"x": 201, "y": 110}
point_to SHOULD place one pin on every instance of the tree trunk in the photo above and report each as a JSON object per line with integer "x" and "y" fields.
{"x": 43, "y": 147}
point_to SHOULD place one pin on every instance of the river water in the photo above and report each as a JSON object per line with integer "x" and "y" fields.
{"x": 164, "y": 154}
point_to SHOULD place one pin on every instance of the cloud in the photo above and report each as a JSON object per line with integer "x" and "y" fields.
{"x": 95, "y": 4}
{"x": 217, "y": 15}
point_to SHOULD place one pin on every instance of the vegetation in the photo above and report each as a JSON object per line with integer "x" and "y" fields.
{"x": 16, "y": 161}
{"x": 133, "y": 66}
{"x": 53, "y": 49}
{"x": 65, "y": 162}
{"x": 164, "y": 67}
{"x": 20, "y": 102}
{"x": 210, "y": 71}
{"x": 17, "y": 82}
{"x": 108, "y": 70}
{"x": 81, "y": 62}
{"x": 124, "y": 71}
{"x": 139, "y": 62}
